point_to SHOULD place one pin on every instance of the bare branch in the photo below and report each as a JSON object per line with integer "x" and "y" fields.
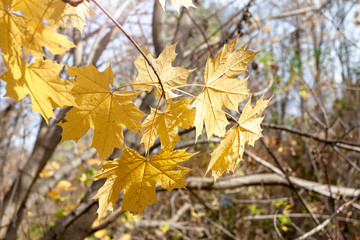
{"x": 326, "y": 222}
{"x": 339, "y": 143}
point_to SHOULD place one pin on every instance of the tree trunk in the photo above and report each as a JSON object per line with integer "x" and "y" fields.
{"x": 47, "y": 140}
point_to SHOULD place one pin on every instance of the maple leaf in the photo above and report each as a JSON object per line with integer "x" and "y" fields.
{"x": 230, "y": 151}
{"x": 42, "y": 35}
{"x": 138, "y": 177}
{"x": 42, "y": 82}
{"x": 177, "y": 3}
{"x": 45, "y": 36}
{"x": 56, "y": 12}
{"x": 13, "y": 31}
{"x": 59, "y": 13}
{"x": 13, "y": 28}
{"x": 100, "y": 108}
{"x": 33, "y": 9}
{"x": 222, "y": 89}
{"x": 166, "y": 124}
{"x": 169, "y": 75}
{"x": 4, "y": 4}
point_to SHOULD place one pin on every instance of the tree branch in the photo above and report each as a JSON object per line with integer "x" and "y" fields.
{"x": 326, "y": 222}
{"x": 335, "y": 142}
{"x": 47, "y": 140}
{"x": 234, "y": 182}
{"x": 133, "y": 42}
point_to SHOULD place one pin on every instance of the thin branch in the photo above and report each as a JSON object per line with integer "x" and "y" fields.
{"x": 326, "y": 222}
{"x": 224, "y": 230}
{"x": 202, "y": 33}
{"x": 268, "y": 179}
{"x": 264, "y": 163}
{"x": 132, "y": 41}
{"x": 352, "y": 42}
{"x": 235, "y": 182}
{"x": 292, "y": 13}
{"x": 351, "y": 163}
{"x": 339, "y": 143}
{"x": 311, "y": 186}
{"x": 320, "y": 104}
{"x": 298, "y": 215}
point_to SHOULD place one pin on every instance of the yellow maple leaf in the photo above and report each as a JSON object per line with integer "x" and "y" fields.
{"x": 13, "y": 31}
{"x": 100, "y": 108}
{"x": 42, "y": 82}
{"x": 13, "y": 28}
{"x": 177, "y": 3}
{"x": 222, "y": 89}
{"x": 4, "y": 4}
{"x": 59, "y": 13}
{"x": 138, "y": 177}
{"x": 56, "y": 12}
{"x": 33, "y": 9}
{"x": 166, "y": 124}
{"x": 230, "y": 151}
{"x": 45, "y": 36}
{"x": 170, "y": 76}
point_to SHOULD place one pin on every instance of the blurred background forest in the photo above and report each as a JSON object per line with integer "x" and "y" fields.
{"x": 300, "y": 180}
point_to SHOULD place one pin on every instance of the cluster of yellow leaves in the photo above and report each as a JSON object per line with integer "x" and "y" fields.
{"x": 108, "y": 112}
{"x": 137, "y": 175}
{"x": 224, "y": 90}
{"x": 61, "y": 186}
{"x": 49, "y": 169}
{"x": 27, "y": 33}
{"x": 95, "y": 105}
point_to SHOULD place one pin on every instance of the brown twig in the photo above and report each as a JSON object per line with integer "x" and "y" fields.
{"x": 336, "y": 142}
{"x": 351, "y": 163}
{"x": 321, "y": 226}
{"x": 235, "y": 182}
{"x": 202, "y": 33}
{"x": 118, "y": 25}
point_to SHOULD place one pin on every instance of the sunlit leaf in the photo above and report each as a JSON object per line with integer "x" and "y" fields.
{"x": 222, "y": 89}
{"x": 42, "y": 82}
{"x": 170, "y": 76}
{"x": 100, "y": 108}
{"x": 138, "y": 177}
{"x": 230, "y": 151}
{"x": 166, "y": 124}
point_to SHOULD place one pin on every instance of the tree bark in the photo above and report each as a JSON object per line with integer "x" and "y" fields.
{"x": 158, "y": 25}
{"x": 47, "y": 140}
